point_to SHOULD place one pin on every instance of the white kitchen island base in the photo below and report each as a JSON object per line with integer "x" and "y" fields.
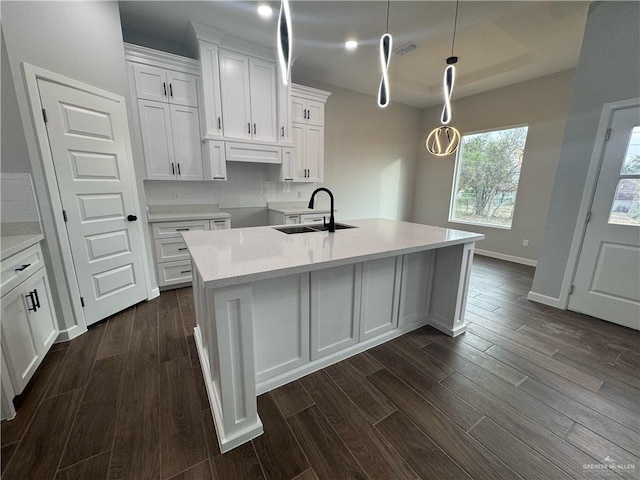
{"x": 258, "y": 331}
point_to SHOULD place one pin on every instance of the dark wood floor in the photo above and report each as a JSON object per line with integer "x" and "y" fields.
{"x": 528, "y": 392}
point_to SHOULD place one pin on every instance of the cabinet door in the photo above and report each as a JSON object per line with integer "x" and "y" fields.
{"x": 186, "y": 142}
{"x": 157, "y": 139}
{"x": 210, "y": 107}
{"x": 284, "y": 110}
{"x": 151, "y": 83}
{"x": 236, "y": 99}
{"x": 298, "y": 136}
{"x": 262, "y": 77}
{"x": 380, "y": 294}
{"x": 215, "y": 159}
{"x": 298, "y": 109}
{"x": 220, "y": 224}
{"x": 183, "y": 88}
{"x": 315, "y": 113}
{"x": 314, "y": 153}
{"x": 43, "y": 319}
{"x": 288, "y": 164}
{"x": 335, "y": 309}
{"x": 415, "y": 296}
{"x": 18, "y": 343}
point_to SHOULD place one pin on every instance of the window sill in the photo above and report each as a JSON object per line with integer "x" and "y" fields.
{"x": 487, "y": 225}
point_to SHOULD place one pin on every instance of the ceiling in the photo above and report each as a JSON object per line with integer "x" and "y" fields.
{"x": 498, "y": 43}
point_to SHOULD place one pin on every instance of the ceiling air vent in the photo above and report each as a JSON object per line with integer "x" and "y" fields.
{"x": 406, "y": 48}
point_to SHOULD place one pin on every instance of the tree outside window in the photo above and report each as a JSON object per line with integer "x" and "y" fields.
{"x": 487, "y": 176}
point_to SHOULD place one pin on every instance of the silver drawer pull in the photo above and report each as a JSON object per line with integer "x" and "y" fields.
{"x": 183, "y": 248}
{"x": 185, "y": 271}
{"x": 23, "y": 267}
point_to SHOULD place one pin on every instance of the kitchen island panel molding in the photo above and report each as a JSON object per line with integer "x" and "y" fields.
{"x": 392, "y": 276}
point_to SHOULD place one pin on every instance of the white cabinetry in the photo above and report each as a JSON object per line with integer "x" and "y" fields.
{"x": 29, "y": 326}
{"x": 248, "y": 89}
{"x": 173, "y": 262}
{"x": 166, "y": 87}
{"x": 307, "y": 135}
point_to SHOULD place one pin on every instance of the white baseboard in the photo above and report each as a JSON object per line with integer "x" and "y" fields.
{"x": 546, "y": 300}
{"x": 154, "y": 293}
{"x": 508, "y": 258}
{"x": 70, "y": 333}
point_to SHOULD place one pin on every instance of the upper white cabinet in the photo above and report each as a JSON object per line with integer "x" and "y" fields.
{"x": 211, "y": 110}
{"x": 307, "y": 135}
{"x": 153, "y": 83}
{"x": 167, "y": 90}
{"x": 248, "y": 89}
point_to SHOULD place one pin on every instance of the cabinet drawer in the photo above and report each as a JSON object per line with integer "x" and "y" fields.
{"x": 171, "y": 273}
{"x": 175, "y": 229}
{"x": 220, "y": 224}
{"x": 19, "y": 267}
{"x": 291, "y": 219}
{"x": 171, "y": 249}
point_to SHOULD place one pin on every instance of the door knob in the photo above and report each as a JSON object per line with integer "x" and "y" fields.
{"x": 132, "y": 218}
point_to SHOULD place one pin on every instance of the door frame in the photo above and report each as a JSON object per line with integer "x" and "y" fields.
{"x": 608, "y": 111}
{"x": 63, "y": 258}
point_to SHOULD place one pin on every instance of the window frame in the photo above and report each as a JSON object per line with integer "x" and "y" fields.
{"x": 456, "y": 177}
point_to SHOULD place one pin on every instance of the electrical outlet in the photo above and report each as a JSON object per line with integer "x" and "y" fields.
{"x": 525, "y": 243}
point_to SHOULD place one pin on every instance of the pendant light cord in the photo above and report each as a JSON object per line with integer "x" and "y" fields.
{"x": 455, "y": 26}
{"x": 388, "y": 5}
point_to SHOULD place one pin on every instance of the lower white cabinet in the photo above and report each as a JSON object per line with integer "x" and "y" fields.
{"x": 380, "y": 296}
{"x": 29, "y": 326}
{"x": 173, "y": 262}
{"x": 215, "y": 160}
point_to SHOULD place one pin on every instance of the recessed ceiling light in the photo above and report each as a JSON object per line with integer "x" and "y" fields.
{"x": 351, "y": 44}
{"x": 265, "y": 11}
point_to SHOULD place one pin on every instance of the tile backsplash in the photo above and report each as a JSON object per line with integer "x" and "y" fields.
{"x": 17, "y": 199}
{"x": 248, "y": 185}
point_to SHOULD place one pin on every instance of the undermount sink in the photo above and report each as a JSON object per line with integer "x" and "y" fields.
{"x": 289, "y": 230}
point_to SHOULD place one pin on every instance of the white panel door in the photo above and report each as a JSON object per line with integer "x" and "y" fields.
{"x": 183, "y": 89}
{"x": 299, "y": 139}
{"x": 380, "y": 294}
{"x": 335, "y": 309}
{"x": 314, "y": 153}
{"x": 288, "y": 164}
{"x": 186, "y": 142}
{"x": 262, "y": 77}
{"x": 211, "y": 105}
{"x": 88, "y": 138}
{"x": 236, "y": 98}
{"x": 607, "y": 279}
{"x": 157, "y": 139}
{"x": 216, "y": 160}
{"x": 151, "y": 83}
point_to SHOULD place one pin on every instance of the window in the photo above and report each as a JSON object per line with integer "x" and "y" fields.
{"x": 487, "y": 176}
{"x": 626, "y": 202}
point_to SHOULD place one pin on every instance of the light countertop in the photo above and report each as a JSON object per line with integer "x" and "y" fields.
{"x": 242, "y": 255}
{"x": 12, "y": 244}
{"x": 192, "y": 211}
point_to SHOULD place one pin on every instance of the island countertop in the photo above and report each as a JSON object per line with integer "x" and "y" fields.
{"x": 242, "y": 255}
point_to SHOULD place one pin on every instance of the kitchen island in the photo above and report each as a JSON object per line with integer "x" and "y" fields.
{"x": 272, "y": 307}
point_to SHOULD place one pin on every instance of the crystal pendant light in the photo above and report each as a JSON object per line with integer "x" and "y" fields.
{"x": 444, "y": 140}
{"x": 284, "y": 40}
{"x": 386, "y": 45}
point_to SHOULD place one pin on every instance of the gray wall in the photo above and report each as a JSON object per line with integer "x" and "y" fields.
{"x": 370, "y": 154}
{"x": 14, "y": 155}
{"x": 83, "y": 41}
{"x": 542, "y": 104}
{"x": 608, "y": 71}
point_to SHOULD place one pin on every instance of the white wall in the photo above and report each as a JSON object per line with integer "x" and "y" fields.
{"x": 608, "y": 70}
{"x": 83, "y": 41}
{"x": 542, "y": 104}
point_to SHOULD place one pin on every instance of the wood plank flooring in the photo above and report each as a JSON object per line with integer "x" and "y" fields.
{"x": 529, "y": 392}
